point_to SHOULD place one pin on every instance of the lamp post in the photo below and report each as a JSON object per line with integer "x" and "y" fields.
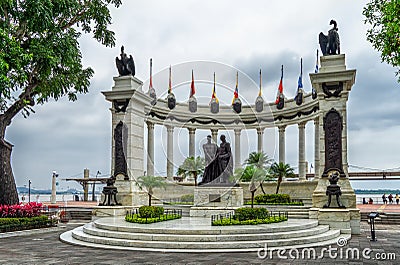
{"x": 53, "y": 188}
{"x": 94, "y": 185}
{"x": 29, "y": 190}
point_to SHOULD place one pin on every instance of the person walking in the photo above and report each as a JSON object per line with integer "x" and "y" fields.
{"x": 390, "y": 197}
{"x": 384, "y": 199}
{"x": 397, "y": 198}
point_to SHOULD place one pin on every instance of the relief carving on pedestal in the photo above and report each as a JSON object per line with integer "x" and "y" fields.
{"x": 333, "y": 126}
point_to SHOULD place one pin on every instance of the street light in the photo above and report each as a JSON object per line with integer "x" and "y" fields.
{"x": 29, "y": 190}
{"x": 94, "y": 185}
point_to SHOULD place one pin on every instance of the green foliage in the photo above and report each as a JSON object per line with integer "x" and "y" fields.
{"x": 250, "y": 174}
{"x": 272, "y": 198}
{"x": 165, "y": 217}
{"x": 280, "y": 170}
{"x": 246, "y": 213}
{"x": 40, "y": 56}
{"x": 268, "y": 220}
{"x": 23, "y": 223}
{"x": 384, "y": 35}
{"x": 293, "y": 203}
{"x": 150, "y": 211}
{"x": 149, "y": 183}
{"x": 187, "y": 198}
{"x": 259, "y": 160}
{"x": 192, "y": 166}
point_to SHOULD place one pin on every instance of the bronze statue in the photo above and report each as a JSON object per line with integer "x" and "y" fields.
{"x": 125, "y": 65}
{"x": 221, "y": 166}
{"x": 330, "y": 44}
{"x": 334, "y": 189}
{"x": 210, "y": 150}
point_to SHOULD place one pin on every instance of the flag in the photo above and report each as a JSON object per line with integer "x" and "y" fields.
{"x": 260, "y": 91}
{"x": 236, "y": 93}
{"x": 214, "y": 93}
{"x": 192, "y": 89}
{"x": 300, "y": 80}
{"x": 280, "y": 88}
{"x": 316, "y": 64}
{"x": 170, "y": 81}
{"x": 151, "y": 76}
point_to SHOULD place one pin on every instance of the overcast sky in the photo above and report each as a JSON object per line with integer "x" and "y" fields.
{"x": 244, "y": 35}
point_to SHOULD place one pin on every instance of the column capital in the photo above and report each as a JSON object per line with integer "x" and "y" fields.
{"x": 260, "y": 130}
{"x": 150, "y": 125}
{"x": 237, "y": 131}
{"x": 302, "y": 125}
{"x": 170, "y": 128}
{"x": 282, "y": 128}
{"x": 191, "y": 130}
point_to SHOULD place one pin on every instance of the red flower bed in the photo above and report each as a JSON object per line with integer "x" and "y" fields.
{"x": 31, "y": 209}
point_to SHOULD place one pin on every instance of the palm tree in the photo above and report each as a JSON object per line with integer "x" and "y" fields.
{"x": 254, "y": 174}
{"x": 149, "y": 183}
{"x": 192, "y": 166}
{"x": 259, "y": 159}
{"x": 281, "y": 170}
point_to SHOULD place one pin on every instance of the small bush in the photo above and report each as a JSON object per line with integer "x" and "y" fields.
{"x": 268, "y": 220}
{"x": 246, "y": 213}
{"x": 272, "y": 198}
{"x": 135, "y": 218}
{"x": 151, "y": 211}
{"x": 187, "y": 198}
{"x": 23, "y": 223}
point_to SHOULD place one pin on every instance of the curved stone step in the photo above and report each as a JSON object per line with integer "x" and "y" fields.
{"x": 93, "y": 230}
{"x": 67, "y": 238}
{"x": 79, "y": 234}
{"x": 200, "y": 226}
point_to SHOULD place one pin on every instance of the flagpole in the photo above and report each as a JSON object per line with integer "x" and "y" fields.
{"x": 259, "y": 93}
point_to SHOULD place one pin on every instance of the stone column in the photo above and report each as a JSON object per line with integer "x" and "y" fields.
{"x": 214, "y": 135}
{"x": 302, "y": 151}
{"x": 150, "y": 148}
{"x": 282, "y": 143}
{"x": 237, "y": 148}
{"x": 316, "y": 149}
{"x": 192, "y": 142}
{"x": 260, "y": 136}
{"x": 170, "y": 152}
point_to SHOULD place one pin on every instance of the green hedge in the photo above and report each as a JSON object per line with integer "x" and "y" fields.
{"x": 23, "y": 223}
{"x": 294, "y": 203}
{"x": 272, "y": 198}
{"x": 268, "y": 220}
{"x": 187, "y": 198}
{"x": 245, "y": 213}
{"x": 151, "y": 211}
{"x": 135, "y": 218}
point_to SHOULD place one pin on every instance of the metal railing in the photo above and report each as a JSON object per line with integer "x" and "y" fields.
{"x": 231, "y": 215}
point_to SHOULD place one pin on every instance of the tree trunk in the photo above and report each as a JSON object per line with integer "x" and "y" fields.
{"x": 149, "y": 199}
{"x": 195, "y": 178}
{"x": 278, "y": 185}
{"x": 252, "y": 199}
{"x": 262, "y": 188}
{"x": 8, "y": 189}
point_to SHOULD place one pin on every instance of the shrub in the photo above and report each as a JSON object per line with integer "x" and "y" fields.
{"x": 151, "y": 211}
{"x": 22, "y": 223}
{"x": 31, "y": 209}
{"x": 137, "y": 219}
{"x": 246, "y": 213}
{"x": 272, "y": 198}
{"x": 187, "y": 198}
{"x": 268, "y": 220}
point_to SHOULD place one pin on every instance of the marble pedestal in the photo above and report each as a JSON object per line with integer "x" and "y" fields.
{"x": 347, "y": 220}
{"x": 216, "y": 200}
{"x": 110, "y": 211}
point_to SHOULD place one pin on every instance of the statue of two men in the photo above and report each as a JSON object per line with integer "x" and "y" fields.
{"x": 219, "y": 166}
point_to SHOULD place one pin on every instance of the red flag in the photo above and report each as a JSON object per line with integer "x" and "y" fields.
{"x": 192, "y": 89}
{"x": 280, "y": 88}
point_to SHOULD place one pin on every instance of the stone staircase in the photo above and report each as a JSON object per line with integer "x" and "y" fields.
{"x": 197, "y": 235}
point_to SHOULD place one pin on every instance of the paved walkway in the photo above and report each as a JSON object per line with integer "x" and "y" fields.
{"x": 45, "y": 248}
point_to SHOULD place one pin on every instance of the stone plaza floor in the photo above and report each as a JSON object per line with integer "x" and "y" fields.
{"x": 44, "y": 247}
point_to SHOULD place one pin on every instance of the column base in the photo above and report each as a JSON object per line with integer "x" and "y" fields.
{"x": 347, "y": 220}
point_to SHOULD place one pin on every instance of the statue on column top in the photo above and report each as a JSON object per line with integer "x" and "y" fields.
{"x": 330, "y": 44}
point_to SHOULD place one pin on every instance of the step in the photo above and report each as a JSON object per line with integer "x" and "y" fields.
{"x": 92, "y": 230}
{"x": 79, "y": 234}
{"x": 200, "y": 226}
{"x": 67, "y": 238}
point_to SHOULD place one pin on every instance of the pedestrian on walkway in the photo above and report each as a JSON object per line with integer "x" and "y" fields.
{"x": 390, "y": 197}
{"x": 384, "y": 199}
{"x": 397, "y": 198}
